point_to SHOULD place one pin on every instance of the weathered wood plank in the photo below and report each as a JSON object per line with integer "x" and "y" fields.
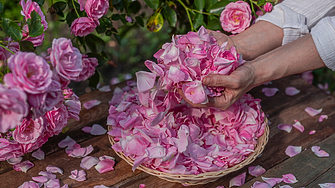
{"x": 327, "y": 177}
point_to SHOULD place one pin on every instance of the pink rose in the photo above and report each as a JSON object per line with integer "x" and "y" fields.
{"x": 95, "y": 9}
{"x": 3, "y": 54}
{"x": 14, "y": 46}
{"x": 30, "y": 6}
{"x": 89, "y": 65}
{"x": 68, "y": 92}
{"x": 73, "y": 106}
{"x": 268, "y": 7}
{"x": 29, "y": 131}
{"x": 66, "y": 59}
{"x": 82, "y": 26}
{"x": 236, "y": 17}
{"x": 56, "y": 120}
{"x": 13, "y": 107}
{"x": 9, "y": 149}
{"x": 37, "y": 41}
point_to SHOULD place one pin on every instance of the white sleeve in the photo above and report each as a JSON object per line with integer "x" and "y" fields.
{"x": 323, "y": 35}
{"x": 297, "y": 17}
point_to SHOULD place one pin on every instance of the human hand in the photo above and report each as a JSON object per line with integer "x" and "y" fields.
{"x": 221, "y": 38}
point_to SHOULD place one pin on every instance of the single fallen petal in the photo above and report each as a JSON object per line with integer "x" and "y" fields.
{"x": 258, "y": 184}
{"x": 39, "y": 154}
{"x": 312, "y": 132}
{"x": 105, "y": 89}
{"x": 81, "y": 152}
{"x": 47, "y": 174}
{"x": 312, "y": 111}
{"x": 272, "y": 181}
{"x": 40, "y": 179}
{"x": 53, "y": 183}
{"x": 90, "y": 104}
{"x": 318, "y": 152}
{"x": 29, "y": 184}
{"x": 65, "y": 186}
{"x": 289, "y": 178}
{"x": 88, "y": 161}
{"x": 220, "y": 186}
{"x": 269, "y": 92}
{"x": 293, "y": 150}
{"x": 101, "y": 158}
{"x": 141, "y": 185}
{"x": 54, "y": 169}
{"x": 98, "y": 130}
{"x": 285, "y": 186}
{"x": 238, "y": 180}
{"x": 291, "y": 91}
{"x": 100, "y": 186}
{"x": 327, "y": 185}
{"x": 69, "y": 149}
{"x": 14, "y": 160}
{"x": 105, "y": 166}
{"x": 256, "y": 170}
{"x": 323, "y": 117}
{"x": 78, "y": 175}
{"x": 24, "y": 166}
{"x": 87, "y": 129}
{"x": 298, "y": 126}
{"x": 66, "y": 142}
{"x": 285, "y": 127}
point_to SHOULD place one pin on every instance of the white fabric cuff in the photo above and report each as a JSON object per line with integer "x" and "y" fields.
{"x": 293, "y": 23}
{"x": 323, "y": 35}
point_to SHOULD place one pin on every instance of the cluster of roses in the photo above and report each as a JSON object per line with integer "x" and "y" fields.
{"x": 94, "y": 9}
{"x": 35, "y": 102}
{"x": 153, "y": 125}
{"x": 236, "y": 17}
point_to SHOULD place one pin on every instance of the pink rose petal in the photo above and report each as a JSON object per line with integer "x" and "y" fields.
{"x": 312, "y": 111}
{"x": 285, "y": 127}
{"x": 145, "y": 80}
{"x": 272, "y": 181}
{"x": 291, "y": 91}
{"x": 88, "y": 162}
{"x": 29, "y": 184}
{"x": 318, "y": 152}
{"x": 87, "y": 129}
{"x": 256, "y": 170}
{"x": 81, "y": 152}
{"x": 293, "y": 150}
{"x": 323, "y": 117}
{"x": 269, "y": 92}
{"x": 90, "y": 104}
{"x": 78, "y": 175}
{"x": 14, "y": 160}
{"x": 258, "y": 184}
{"x": 98, "y": 130}
{"x": 50, "y": 175}
{"x": 24, "y": 166}
{"x": 285, "y": 186}
{"x": 327, "y": 185}
{"x": 312, "y": 132}
{"x": 65, "y": 186}
{"x": 69, "y": 149}
{"x": 238, "y": 180}
{"x": 40, "y": 179}
{"x": 101, "y": 158}
{"x": 105, "y": 166}
{"x": 105, "y": 89}
{"x": 289, "y": 178}
{"x": 39, "y": 154}
{"x": 100, "y": 186}
{"x": 141, "y": 186}
{"x": 298, "y": 126}
{"x": 54, "y": 169}
{"x": 53, "y": 183}
{"x": 66, "y": 142}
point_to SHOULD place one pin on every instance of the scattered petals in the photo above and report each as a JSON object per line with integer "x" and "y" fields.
{"x": 312, "y": 132}
{"x": 258, "y": 184}
{"x": 98, "y": 130}
{"x": 327, "y": 185}
{"x": 39, "y": 154}
{"x": 105, "y": 166}
{"x": 54, "y": 169}
{"x": 312, "y": 111}
{"x": 141, "y": 186}
{"x": 40, "y": 179}
{"x": 272, "y": 181}
{"x": 14, "y": 160}
{"x": 24, "y": 166}
{"x": 238, "y": 180}
{"x": 318, "y": 152}
{"x": 289, "y": 178}
{"x": 78, "y": 175}
{"x": 87, "y": 129}
{"x": 81, "y": 152}
{"x": 29, "y": 184}
{"x": 53, "y": 183}
{"x": 293, "y": 150}
{"x": 323, "y": 117}
{"x": 285, "y": 127}
{"x": 291, "y": 91}
{"x": 66, "y": 142}
{"x": 256, "y": 170}
{"x": 269, "y": 92}
{"x": 105, "y": 89}
{"x": 90, "y": 104}
{"x": 88, "y": 162}
{"x": 47, "y": 174}
{"x": 298, "y": 126}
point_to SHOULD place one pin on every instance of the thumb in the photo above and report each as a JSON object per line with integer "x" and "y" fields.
{"x": 216, "y": 80}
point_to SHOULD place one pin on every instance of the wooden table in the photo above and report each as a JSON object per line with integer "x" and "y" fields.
{"x": 309, "y": 169}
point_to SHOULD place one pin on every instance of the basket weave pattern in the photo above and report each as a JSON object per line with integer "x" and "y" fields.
{"x": 202, "y": 178}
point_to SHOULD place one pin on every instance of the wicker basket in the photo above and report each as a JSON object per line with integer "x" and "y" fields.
{"x": 202, "y": 178}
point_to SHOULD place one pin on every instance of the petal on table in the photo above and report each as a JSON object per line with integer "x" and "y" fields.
{"x": 285, "y": 186}
{"x": 323, "y": 117}
{"x": 298, "y": 126}
{"x": 54, "y": 169}
{"x": 66, "y": 142}
{"x": 269, "y": 92}
{"x": 285, "y": 127}
{"x": 98, "y": 130}
{"x": 318, "y": 152}
{"x": 29, "y": 184}
{"x": 327, "y": 185}
{"x": 258, "y": 184}
{"x": 88, "y": 162}
{"x": 291, "y": 91}
{"x": 141, "y": 185}
{"x": 312, "y": 111}
{"x": 256, "y": 170}
{"x": 272, "y": 181}
{"x": 14, "y": 160}
{"x": 105, "y": 89}
{"x": 39, "y": 154}
{"x": 289, "y": 178}
{"x": 40, "y": 179}
{"x": 100, "y": 186}
{"x": 90, "y": 104}
{"x": 293, "y": 150}
{"x": 312, "y": 132}
{"x": 47, "y": 174}
{"x": 105, "y": 166}
{"x": 238, "y": 180}
{"x": 78, "y": 175}
{"x": 87, "y": 129}
{"x": 24, "y": 166}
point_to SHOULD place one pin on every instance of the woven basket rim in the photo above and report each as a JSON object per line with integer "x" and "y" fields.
{"x": 261, "y": 142}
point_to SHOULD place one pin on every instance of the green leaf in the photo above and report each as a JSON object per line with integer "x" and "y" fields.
{"x": 114, "y": 2}
{"x": 199, "y": 4}
{"x": 59, "y": 6}
{"x": 152, "y": 3}
{"x": 70, "y": 4}
{"x": 170, "y": 15}
{"x": 198, "y": 20}
{"x": 12, "y": 29}
{"x": 218, "y": 7}
{"x": 214, "y": 24}
{"x": 209, "y": 3}
{"x": 139, "y": 20}
{"x": 35, "y": 25}
{"x": 70, "y": 17}
{"x": 155, "y": 22}
{"x": 26, "y": 46}
{"x": 134, "y": 7}
{"x": 39, "y": 2}
{"x": 102, "y": 27}
{"x": 94, "y": 43}
{"x": 107, "y": 22}
{"x": 118, "y": 38}
{"x": 1, "y": 7}
{"x": 108, "y": 33}
{"x": 94, "y": 80}
{"x": 116, "y": 17}
{"x": 119, "y": 5}
{"x": 101, "y": 59}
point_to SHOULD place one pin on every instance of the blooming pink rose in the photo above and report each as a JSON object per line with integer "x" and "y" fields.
{"x": 268, "y": 7}
{"x": 95, "y": 9}
{"x": 29, "y": 131}
{"x": 9, "y": 149}
{"x": 56, "y": 120}
{"x": 236, "y": 17}
{"x": 28, "y": 7}
{"x": 3, "y": 54}
{"x": 89, "y": 65}
{"x": 82, "y": 26}
{"x": 68, "y": 92}
{"x": 13, "y": 107}
{"x": 73, "y": 106}
{"x": 13, "y": 46}
{"x": 37, "y": 41}
{"x": 30, "y": 72}
{"x": 66, "y": 59}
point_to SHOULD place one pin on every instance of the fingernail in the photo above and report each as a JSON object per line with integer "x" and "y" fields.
{"x": 206, "y": 81}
